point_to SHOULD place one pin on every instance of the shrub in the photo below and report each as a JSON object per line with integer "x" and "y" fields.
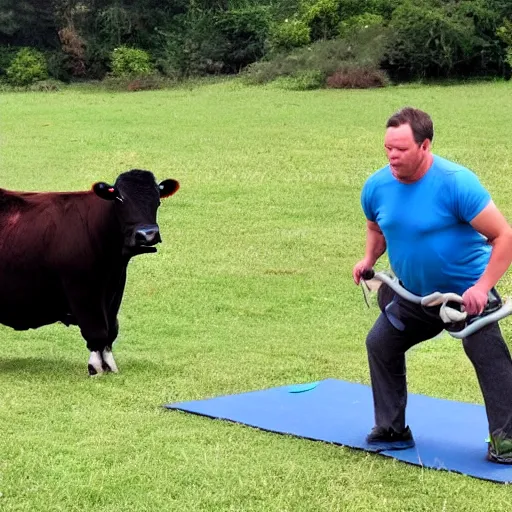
{"x": 302, "y": 81}
{"x": 383, "y": 8}
{"x": 27, "y": 67}
{"x": 240, "y": 38}
{"x": 73, "y": 46}
{"x": 7, "y": 54}
{"x": 288, "y": 35}
{"x": 358, "y": 23}
{"x": 146, "y": 83}
{"x": 364, "y": 49}
{"x": 57, "y": 62}
{"x": 133, "y": 84}
{"x": 505, "y": 34}
{"x": 357, "y": 78}
{"x": 49, "y": 85}
{"x": 323, "y": 18}
{"x": 428, "y": 43}
{"x": 130, "y": 62}
{"x": 190, "y": 44}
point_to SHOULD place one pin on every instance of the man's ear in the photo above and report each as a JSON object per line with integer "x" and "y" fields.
{"x": 105, "y": 191}
{"x": 168, "y": 188}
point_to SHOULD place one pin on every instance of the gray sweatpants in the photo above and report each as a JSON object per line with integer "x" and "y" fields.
{"x": 386, "y": 348}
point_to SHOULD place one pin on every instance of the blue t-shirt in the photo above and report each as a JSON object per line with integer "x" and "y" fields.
{"x": 431, "y": 245}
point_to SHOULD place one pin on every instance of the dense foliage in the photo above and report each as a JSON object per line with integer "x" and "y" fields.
{"x": 79, "y": 38}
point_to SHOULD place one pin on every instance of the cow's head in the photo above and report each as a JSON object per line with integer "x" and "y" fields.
{"x": 136, "y": 196}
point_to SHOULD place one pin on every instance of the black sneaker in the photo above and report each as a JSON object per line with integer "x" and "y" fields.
{"x": 499, "y": 450}
{"x": 381, "y": 439}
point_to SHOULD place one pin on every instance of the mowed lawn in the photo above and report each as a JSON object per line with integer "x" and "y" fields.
{"x": 250, "y": 289}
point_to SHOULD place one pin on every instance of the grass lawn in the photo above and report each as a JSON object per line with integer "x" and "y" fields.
{"x": 251, "y": 288}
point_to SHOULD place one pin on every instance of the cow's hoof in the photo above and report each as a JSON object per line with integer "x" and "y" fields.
{"x": 92, "y": 371}
{"x": 108, "y": 362}
{"x": 95, "y": 366}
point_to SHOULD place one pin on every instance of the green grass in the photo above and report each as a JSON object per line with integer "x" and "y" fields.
{"x": 251, "y": 288}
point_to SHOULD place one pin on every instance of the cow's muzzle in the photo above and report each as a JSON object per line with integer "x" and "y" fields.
{"x": 149, "y": 235}
{"x": 145, "y": 237}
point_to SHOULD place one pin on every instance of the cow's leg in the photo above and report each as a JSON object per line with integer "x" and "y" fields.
{"x": 89, "y": 310}
{"x": 97, "y": 344}
{"x": 108, "y": 362}
{"x": 94, "y": 302}
{"x": 102, "y": 359}
{"x": 95, "y": 365}
{"x": 116, "y": 292}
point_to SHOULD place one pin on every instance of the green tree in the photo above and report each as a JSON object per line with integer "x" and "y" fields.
{"x": 243, "y": 33}
{"x": 322, "y": 18}
{"x": 426, "y": 42}
{"x": 505, "y": 34}
{"x": 28, "y": 23}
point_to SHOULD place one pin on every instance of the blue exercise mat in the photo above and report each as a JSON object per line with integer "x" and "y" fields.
{"x": 449, "y": 435}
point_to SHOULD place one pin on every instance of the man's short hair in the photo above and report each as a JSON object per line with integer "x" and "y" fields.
{"x": 419, "y": 121}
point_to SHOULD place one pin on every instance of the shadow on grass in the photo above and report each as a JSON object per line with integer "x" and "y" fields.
{"x": 39, "y": 365}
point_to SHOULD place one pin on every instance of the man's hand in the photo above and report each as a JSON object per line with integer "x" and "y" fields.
{"x": 359, "y": 269}
{"x": 474, "y": 300}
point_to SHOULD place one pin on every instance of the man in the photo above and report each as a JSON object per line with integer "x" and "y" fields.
{"x": 442, "y": 233}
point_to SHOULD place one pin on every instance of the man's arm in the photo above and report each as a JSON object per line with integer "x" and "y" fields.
{"x": 375, "y": 243}
{"x": 375, "y": 248}
{"x": 492, "y": 224}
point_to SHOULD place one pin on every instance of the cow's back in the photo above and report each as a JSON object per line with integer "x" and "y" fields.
{"x": 45, "y": 237}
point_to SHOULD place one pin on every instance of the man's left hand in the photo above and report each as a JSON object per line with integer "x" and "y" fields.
{"x": 474, "y": 300}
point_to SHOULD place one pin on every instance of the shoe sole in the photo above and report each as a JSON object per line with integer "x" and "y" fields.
{"x": 499, "y": 460}
{"x": 395, "y": 445}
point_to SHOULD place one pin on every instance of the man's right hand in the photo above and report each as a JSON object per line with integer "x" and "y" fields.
{"x": 360, "y": 268}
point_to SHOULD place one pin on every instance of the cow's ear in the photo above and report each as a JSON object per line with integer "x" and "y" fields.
{"x": 168, "y": 188}
{"x": 105, "y": 191}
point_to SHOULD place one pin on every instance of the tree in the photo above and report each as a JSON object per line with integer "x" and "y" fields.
{"x": 28, "y": 23}
{"x": 428, "y": 41}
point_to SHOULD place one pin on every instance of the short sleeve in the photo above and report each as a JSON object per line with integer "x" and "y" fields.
{"x": 472, "y": 197}
{"x": 367, "y": 201}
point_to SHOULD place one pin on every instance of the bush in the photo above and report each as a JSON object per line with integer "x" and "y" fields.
{"x": 363, "y": 49}
{"x": 145, "y": 83}
{"x": 49, "y": 85}
{"x": 190, "y": 44}
{"x": 508, "y": 57}
{"x": 288, "y": 35}
{"x": 383, "y": 8}
{"x": 27, "y": 67}
{"x": 426, "y": 42}
{"x": 73, "y": 47}
{"x": 323, "y": 18}
{"x": 7, "y": 54}
{"x": 359, "y": 22}
{"x": 302, "y": 81}
{"x": 241, "y": 36}
{"x": 57, "y": 63}
{"x": 130, "y": 62}
{"x": 505, "y": 34}
{"x": 208, "y": 41}
{"x": 357, "y": 78}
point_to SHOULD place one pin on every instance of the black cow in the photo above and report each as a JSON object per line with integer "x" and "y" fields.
{"x": 63, "y": 256}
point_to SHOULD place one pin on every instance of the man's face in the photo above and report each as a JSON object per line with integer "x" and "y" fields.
{"x": 404, "y": 154}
